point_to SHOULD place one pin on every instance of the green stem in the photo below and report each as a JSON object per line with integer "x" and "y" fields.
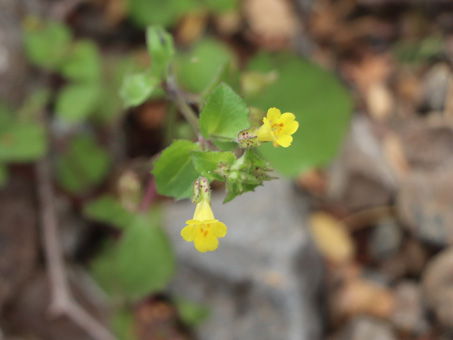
{"x": 178, "y": 97}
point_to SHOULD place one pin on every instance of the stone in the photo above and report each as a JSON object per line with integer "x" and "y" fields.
{"x": 435, "y": 86}
{"x": 361, "y": 168}
{"x": 424, "y": 205}
{"x": 367, "y": 328}
{"x": 386, "y": 239}
{"x": 264, "y": 279}
{"x": 409, "y": 314}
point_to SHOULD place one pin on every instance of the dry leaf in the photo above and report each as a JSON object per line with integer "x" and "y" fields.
{"x": 191, "y": 27}
{"x": 228, "y": 23}
{"x": 394, "y": 152}
{"x": 379, "y": 101}
{"x": 331, "y": 237}
{"x": 271, "y": 19}
{"x": 361, "y": 296}
{"x": 313, "y": 181}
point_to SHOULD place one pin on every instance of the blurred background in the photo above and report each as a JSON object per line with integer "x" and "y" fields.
{"x": 352, "y": 242}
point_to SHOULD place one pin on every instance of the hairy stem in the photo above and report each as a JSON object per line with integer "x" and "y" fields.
{"x": 177, "y": 96}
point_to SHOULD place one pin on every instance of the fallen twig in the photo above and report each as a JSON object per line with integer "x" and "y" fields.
{"x": 62, "y": 302}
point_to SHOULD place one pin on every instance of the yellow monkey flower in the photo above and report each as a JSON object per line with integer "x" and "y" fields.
{"x": 277, "y": 128}
{"x": 204, "y": 229}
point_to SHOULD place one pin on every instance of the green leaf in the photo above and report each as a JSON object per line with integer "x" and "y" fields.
{"x": 321, "y": 105}
{"x": 207, "y": 162}
{"x": 198, "y": 68}
{"x": 174, "y": 171}
{"x": 161, "y": 49}
{"x": 83, "y": 62}
{"x": 77, "y": 101}
{"x": 137, "y": 88}
{"x": 84, "y": 165}
{"x": 21, "y": 142}
{"x": 123, "y": 324}
{"x": 236, "y": 188}
{"x": 140, "y": 264}
{"x": 192, "y": 314}
{"x": 157, "y": 12}
{"x": 46, "y": 44}
{"x": 107, "y": 209}
{"x": 418, "y": 51}
{"x": 4, "y": 175}
{"x": 6, "y": 117}
{"x": 224, "y": 115}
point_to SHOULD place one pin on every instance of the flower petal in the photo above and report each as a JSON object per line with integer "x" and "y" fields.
{"x": 264, "y": 133}
{"x": 284, "y": 140}
{"x": 188, "y": 233}
{"x": 219, "y": 229}
{"x": 287, "y": 118}
{"x": 204, "y": 243}
{"x": 273, "y": 114}
{"x": 203, "y": 211}
{"x": 290, "y": 128}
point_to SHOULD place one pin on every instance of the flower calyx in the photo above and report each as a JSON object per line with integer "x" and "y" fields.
{"x": 201, "y": 190}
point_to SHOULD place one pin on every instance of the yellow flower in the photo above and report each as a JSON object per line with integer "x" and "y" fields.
{"x": 277, "y": 128}
{"x": 204, "y": 229}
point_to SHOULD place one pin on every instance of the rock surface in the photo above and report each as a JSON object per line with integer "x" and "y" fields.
{"x": 263, "y": 280}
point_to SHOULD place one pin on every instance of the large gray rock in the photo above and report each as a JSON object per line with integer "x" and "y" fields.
{"x": 263, "y": 280}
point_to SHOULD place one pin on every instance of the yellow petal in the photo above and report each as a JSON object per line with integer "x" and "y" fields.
{"x": 204, "y": 243}
{"x": 287, "y": 117}
{"x": 203, "y": 211}
{"x": 284, "y": 140}
{"x": 188, "y": 233}
{"x": 273, "y": 114}
{"x": 264, "y": 133}
{"x": 219, "y": 229}
{"x": 290, "y": 128}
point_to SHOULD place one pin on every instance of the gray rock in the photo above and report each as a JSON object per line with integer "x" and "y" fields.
{"x": 409, "y": 314}
{"x": 367, "y": 328}
{"x": 435, "y": 86}
{"x": 424, "y": 205}
{"x": 263, "y": 280}
{"x": 385, "y": 239}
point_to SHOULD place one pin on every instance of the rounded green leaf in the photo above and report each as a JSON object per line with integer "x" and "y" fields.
{"x": 224, "y": 114}
{"x": 207, "y": 162}
{"x": 21, "y": 142}
{"x": 136, "y": 88}
{"x": 198, "y": 68}
{"x": 83, "y": 165}
{"x": 174, "y": 171}
{"x": 157, "y": 12}
{"x": 77, "y": 101}
{"x": 107, "y": 209}
{"x": 46, "y": 44}
{"x": 83, "y": 62}
{"x": 141, "y": 263}
{"x": 321, "y": 105}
